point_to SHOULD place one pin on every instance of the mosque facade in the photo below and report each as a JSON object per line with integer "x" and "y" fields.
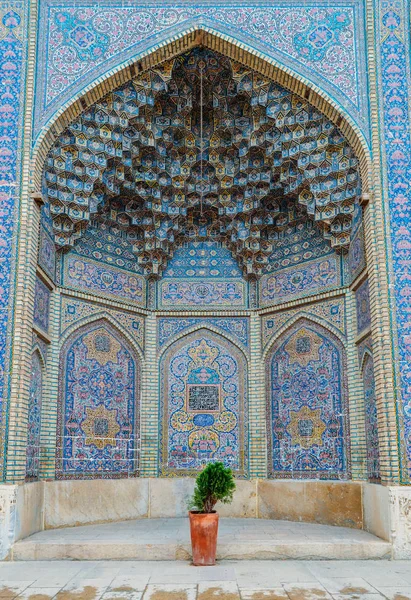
{"x": 205, "y": 256}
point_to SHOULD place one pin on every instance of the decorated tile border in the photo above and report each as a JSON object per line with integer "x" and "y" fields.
{"x": 393, "y": 66}
{"x": 13, "y": 38}
{"x": 201, "y": 294}
{"x": 300, "y": 281}
{"x": 81, "y": 43}
{"x": 93, "y": 277}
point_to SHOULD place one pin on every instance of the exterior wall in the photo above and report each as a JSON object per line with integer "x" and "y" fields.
{"x": 362, "y": 300}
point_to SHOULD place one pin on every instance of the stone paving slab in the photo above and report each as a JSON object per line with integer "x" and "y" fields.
{"x": 229, "y": 580}
{"x": 168, "y": 539}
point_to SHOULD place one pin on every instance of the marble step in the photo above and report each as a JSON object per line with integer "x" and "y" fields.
{"x": 168, "y": 539}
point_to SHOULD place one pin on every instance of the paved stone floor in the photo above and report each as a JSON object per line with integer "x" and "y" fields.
{"x": 229, "y": 580}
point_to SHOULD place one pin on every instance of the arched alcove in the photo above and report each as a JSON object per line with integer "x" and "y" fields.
{"x": 203, "y": 404}
{"x": 307, "y": 416}
{"x": 99, "y": 405}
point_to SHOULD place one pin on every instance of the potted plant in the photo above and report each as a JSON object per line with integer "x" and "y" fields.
{"x": 215, "y": 483}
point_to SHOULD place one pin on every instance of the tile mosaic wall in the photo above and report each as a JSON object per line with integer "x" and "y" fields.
{"x": 307, "y": 415}
{"x": 34, "y": 418}
{"x": 205, "y": 259}
{"x": 362, "y": 300}
{"x": 96, "y": 51}
{"x": 41, "y": 305}
{"x": 169, "y": 327}
{"x": 91, "y": 276}
{"x": 393, "y": 68}
{"x": 13, "y": 23}
{"x": 371, "y": 423}
{"x": 300, "y": 281}
{"x": 332, "y": 311}
{"x": 98, "y": 418}
{"x": 81, "y": 43}
{"x": 203, "y": 405}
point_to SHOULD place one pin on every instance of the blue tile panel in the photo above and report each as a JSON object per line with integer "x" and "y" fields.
{"x": 362, "y": 300}
{"x": 98, "y": 405}
{"x": 203, "y": 405}
{"x": 356, "y": 254}
{"x": 34, "y": 418}
{"x": 80, "y": 44}
{"x": 298, "y": 281}
{"x": 12, "y": 79}
{"x": 371, "y": 423}
{"x": 107, "y": 245}
{"x": 169, "y": 327}
{"x": 94, "y": 277}
{"x": 307, "y": 414}
{"x": 202, "y": 294}
{"x": 393, "y": 51}
{"x": 202, "y": 275}
{"x": 41, "y": 305}
{"x": 47, "y": 253}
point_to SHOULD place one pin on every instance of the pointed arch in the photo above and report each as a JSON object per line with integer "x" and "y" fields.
{"x": 204, "y": 326}
{"x": 99, "y": 403}
{"x": 102, "y": 315}
{"x": 308, "y": 317}
{"x": 203, "y": 404}
{"x": 209, "y": 36}
{"x": 366, "y": 352}
{"x": 307, "y": 396}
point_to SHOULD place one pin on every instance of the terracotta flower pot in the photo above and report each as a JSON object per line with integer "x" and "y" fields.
{"x": 203, "y": 529}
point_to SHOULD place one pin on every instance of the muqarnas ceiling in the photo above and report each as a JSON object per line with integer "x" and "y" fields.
{"x": 202, "y": 148}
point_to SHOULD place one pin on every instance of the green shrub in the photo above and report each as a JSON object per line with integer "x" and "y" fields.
{"x": 215, "y": 483}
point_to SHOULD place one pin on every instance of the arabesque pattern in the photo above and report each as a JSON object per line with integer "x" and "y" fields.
{"x": 203, "y": 405}
{"x": 99, "y": 405}
{"x": 307, "y": 416}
